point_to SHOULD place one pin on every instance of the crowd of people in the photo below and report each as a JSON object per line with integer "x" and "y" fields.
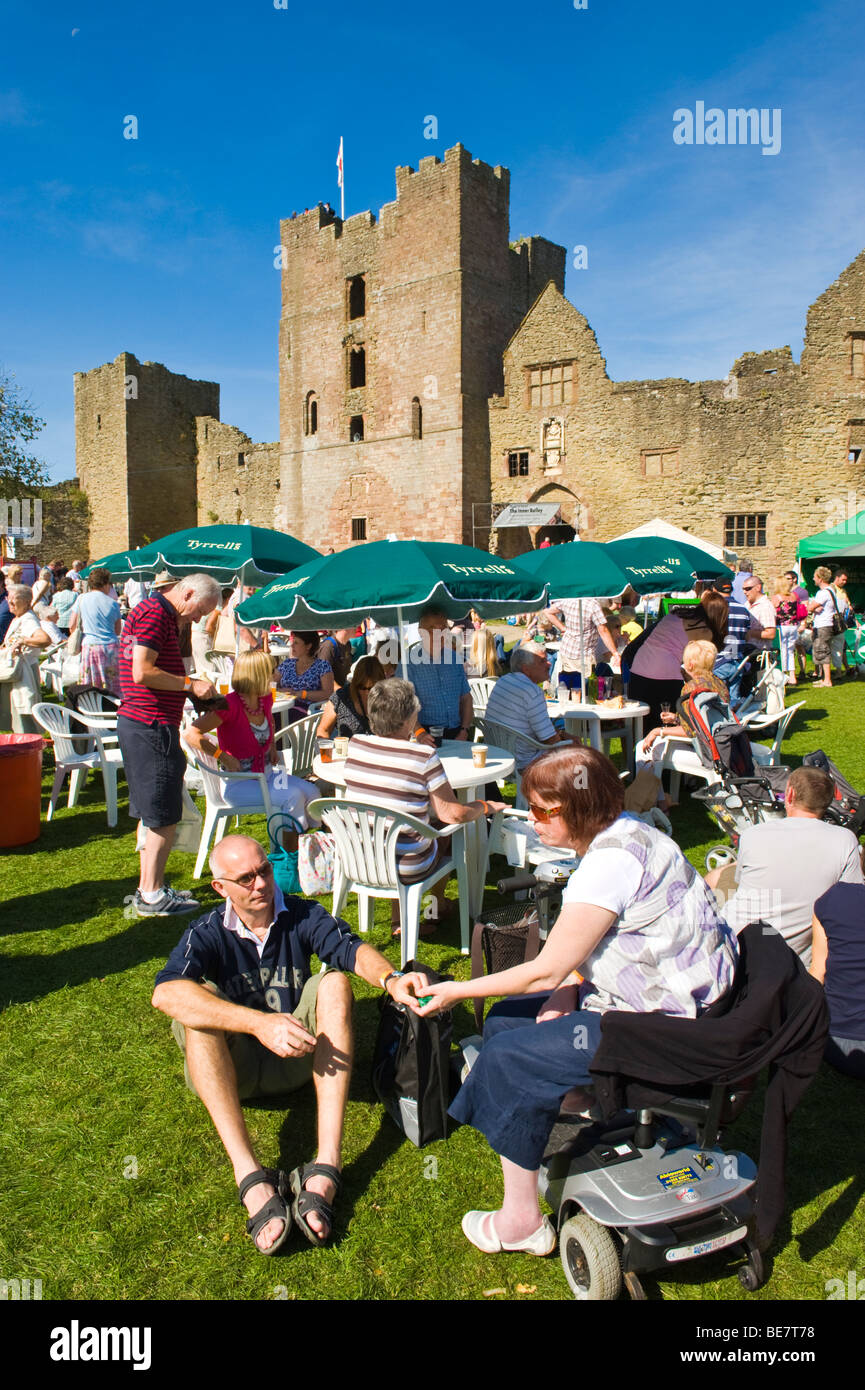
{"x": 639, "y": 931}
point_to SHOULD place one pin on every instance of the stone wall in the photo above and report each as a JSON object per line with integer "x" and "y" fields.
{"x": 135, "y": 445}
{"x": 237, "y": 480}
{"x": 443, "y": 293}
{"x": 100, "y": 451}
{"x": 773, "y": 438}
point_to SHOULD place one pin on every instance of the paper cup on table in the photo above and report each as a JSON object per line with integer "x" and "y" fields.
{"x": 479, "y": 754}
{"x": 340, "y": 748}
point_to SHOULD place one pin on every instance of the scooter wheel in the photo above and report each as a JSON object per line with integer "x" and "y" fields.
{"x": 590, "y": 1259}
{"x": 719, "y": 857}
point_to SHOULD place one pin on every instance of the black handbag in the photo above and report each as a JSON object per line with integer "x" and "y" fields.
{"x": 411, "y": 1072}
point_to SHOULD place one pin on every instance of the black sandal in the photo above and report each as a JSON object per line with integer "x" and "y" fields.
{"x": 275, "y": 1208}
{"x": 306, "y": 1203}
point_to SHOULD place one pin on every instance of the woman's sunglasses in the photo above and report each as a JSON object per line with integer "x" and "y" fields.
{"x": 544, "y": 813}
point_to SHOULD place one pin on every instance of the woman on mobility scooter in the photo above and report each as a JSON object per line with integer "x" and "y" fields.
{"x": 640, "y": 926}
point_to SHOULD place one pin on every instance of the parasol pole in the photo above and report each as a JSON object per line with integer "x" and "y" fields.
{"x": 402, "y": 645}
{"x": 584, "y": 691}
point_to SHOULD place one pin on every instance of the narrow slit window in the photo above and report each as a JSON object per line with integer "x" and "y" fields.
{"x": 356, "y": 297}
{"x": 355, "y": 429}
{"x": 357, "y": 367}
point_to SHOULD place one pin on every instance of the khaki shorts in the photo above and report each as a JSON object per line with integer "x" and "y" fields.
{"x": 260, "y": 1073}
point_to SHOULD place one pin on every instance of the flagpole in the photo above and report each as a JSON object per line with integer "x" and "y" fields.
{"x": 341, "y": 180}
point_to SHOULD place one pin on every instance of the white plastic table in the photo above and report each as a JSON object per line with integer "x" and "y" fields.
{"x": 465, "y": 779}
{"x": 589, "y": 720}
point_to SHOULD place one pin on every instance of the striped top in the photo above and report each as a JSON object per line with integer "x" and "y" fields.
{"x": 399, "y": 775}
{"x": 738, "y": 624}
{"x": 153, "y": 624}
{"x": 516, "y": 701}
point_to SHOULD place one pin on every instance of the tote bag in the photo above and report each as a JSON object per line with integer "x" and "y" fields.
{"x": 411, "y": 1073}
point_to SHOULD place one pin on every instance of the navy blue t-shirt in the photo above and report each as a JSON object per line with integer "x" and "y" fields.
{"x": 841, "y": 914}
{"x": 273, "y": 982}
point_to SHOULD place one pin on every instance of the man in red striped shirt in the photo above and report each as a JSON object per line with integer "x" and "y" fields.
{"x": 154, "y": 686}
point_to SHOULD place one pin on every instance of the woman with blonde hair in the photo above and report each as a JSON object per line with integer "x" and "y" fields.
{"x": 483, "y": 657}
{"x": 823, "y": 608}
{"x": 698, "y": 658}
{"x": 246, "y": 739}
{"x": 790, "y": 613}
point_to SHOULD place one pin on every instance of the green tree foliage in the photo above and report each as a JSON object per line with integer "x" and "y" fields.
{"x": 18, "y": 426}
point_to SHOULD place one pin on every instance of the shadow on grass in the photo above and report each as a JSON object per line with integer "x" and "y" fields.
{"x": 298, "y": 1133}
{"x": 30, "y": 977}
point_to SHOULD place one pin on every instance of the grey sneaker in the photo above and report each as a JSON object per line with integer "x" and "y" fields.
{"x": 169, "y": 904}
{"x": 180, "y": 893}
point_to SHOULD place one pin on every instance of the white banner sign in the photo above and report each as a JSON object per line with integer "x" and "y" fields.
{"x": 527, "y": 514}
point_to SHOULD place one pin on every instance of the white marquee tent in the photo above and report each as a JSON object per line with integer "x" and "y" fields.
{"x": 659, "y": 527}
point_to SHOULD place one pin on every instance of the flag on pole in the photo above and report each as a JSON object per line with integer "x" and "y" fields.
{"x": 340, "y": 180}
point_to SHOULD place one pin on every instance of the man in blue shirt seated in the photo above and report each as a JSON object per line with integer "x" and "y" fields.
{"x": 254, "y": 1022}
{"x": 436, "y": 669}
{"x": 516, "y": 701}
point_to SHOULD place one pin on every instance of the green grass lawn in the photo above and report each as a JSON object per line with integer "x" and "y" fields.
{"x": 115, "y": 1183}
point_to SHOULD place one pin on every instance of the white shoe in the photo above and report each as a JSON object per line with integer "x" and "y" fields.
{"x": 479, "y": 1229}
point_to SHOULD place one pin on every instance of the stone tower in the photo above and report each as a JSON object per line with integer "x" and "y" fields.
{"x": 390, "y": 344}
{"x": 136, "y": 449}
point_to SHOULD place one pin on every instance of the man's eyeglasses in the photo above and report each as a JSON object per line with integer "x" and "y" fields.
{"x": 545, "y": 813}
{"x": 264, "y": 871}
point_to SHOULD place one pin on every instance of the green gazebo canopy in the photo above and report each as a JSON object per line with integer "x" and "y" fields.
{"x": 843, "y": 544}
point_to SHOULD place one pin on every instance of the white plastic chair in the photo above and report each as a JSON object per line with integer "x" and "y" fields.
{"x": 503, "y": 736}
{"x": 366, "y": 864}
{"x": 220, "y": 806}
{"x": 296, "y": 743}
{"x": 219, "y": 666}
{"x": 481, "y": 688}
{"x": 769, "y": 694}
{"x": 780, "y": 723}
{"x": 51, "y": 667}
{"x": 78, "y": 754}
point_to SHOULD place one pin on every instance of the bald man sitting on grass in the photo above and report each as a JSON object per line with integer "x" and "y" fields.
{"x": 255, "y": 1023}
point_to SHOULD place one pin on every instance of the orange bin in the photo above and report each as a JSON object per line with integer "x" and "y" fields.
{"x": 20, "y": 788}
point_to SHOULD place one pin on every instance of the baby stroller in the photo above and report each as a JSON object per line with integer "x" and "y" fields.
{"x": 746, "y": 792}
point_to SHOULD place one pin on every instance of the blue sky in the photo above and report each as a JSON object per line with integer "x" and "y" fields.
{"x": 163, "y": 246}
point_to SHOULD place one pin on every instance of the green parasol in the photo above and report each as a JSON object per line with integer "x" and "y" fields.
{"x": 393, "y": 582}
{"x": 243, "y": 554}
{"x": 649, "y": 564}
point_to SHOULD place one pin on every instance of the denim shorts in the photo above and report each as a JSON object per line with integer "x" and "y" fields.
{"x": 155, "y": 766}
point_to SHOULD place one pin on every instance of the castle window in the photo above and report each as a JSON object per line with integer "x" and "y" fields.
{"x": 355, "y": 429}
{"x": 659, "y": 463}
{"x": 854, "y": 455}
{"x": 518, "y": 465}
{"x": 744, "y": 530}
{"x": 310, "y": 413}
{"x": 857, "y": 356}
{"x": 241, "y": 460}
{"x": 356, "y": 367}
{"x": 552, "y": 385}
{"x": 416, "y": 419}
{"x": 358, "y": 528}
{"x": 356, "y": 297}
{"x": 99, "y": 422}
